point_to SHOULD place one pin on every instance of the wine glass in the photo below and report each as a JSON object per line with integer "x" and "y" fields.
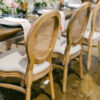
{"x": 24, "y": 7}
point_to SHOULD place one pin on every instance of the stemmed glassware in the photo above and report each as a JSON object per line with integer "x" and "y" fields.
{"x": 24, "y": 7}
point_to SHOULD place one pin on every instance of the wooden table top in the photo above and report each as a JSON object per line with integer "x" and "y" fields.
{"x": 7, "y": 33}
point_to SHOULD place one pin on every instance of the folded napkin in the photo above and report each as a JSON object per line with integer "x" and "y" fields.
{"x": 72, "y": 5}
{"x": 62, "y": 27}
{"x": 23, "y": 22}
{"x": 43, "y": 11}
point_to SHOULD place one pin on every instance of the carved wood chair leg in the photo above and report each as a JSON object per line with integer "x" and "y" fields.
{"x": 89, "y": 58}
{"x": 22, "y": 83}
{"x": 65, "y": 78}
{"x": 51, "y": 85}
{"x": 28, "y": 92}
{"x": 99, "y": 50}
{"x": 81, "y": 66}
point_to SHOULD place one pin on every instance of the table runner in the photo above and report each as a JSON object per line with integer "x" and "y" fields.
{"x": 26, "y": 25}
{"x": 62, "y": 17}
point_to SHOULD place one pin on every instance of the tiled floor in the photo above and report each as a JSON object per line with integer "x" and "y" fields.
{"x": 77, "y": 89}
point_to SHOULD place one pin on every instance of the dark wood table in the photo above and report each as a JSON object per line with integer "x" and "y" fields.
{"x": 8, "y": 33}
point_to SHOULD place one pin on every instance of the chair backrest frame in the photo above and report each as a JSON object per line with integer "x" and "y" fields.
{"x": 72, "y": 20}
{"x": 93, "y": 21}
{"x": 90, "y": 1}
{"x": 31, "y": 36}
{"x": 69, "y": 33}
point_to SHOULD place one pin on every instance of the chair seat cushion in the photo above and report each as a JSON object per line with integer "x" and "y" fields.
{"x": 16, "y": 61}
{"x": 61, "y": 44}
{"x": 95, "y": 35}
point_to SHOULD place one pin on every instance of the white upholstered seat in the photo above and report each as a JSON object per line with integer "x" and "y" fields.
{"x": 15, "y": 61}
{"x": 61, "y": 44}
{"x": 96, "y": 35}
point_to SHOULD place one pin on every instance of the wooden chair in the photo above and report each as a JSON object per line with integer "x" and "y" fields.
{"x": 70, "y": 47}
{"x": 93, "y": 1}
{"x": 36, "y": 62}
{"x": 92, "y": 36}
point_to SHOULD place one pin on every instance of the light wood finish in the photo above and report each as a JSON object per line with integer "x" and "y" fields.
{"x": 75, "y": 32}
{"x": 95, "y": 27}
{"x": 90, "y": 1}
{"x": 22, "y": 83}
{"x": 39, "y": 47}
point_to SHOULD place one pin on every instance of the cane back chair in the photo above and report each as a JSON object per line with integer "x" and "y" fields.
{"x": 92, "y": 35}
{"x": 70, "y": 47}
{"x": 93, "y": 1}
{"x": 36, "y": 62}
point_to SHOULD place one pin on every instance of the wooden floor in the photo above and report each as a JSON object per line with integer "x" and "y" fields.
{"x": 78, "y": 89}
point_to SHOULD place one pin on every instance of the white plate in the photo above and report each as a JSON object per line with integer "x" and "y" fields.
{"x": 73, "y": 5}
{"x": 43, "y": 11}
{"x": 15, "y": 20}
{"x": 9, "y": 24}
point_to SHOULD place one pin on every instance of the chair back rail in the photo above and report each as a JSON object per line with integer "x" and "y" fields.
{"x": 75, "y": 31}
{"x": 76, "y": 28}
{"x": 39, "y": 47}
{"x": 96, "y": 18}
{"x": 77, "y": 24}
{"x": 94, "y": 1}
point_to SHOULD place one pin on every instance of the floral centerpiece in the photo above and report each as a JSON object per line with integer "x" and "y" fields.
{"x": 40, "y": 3}
{"x": 6, "y": 6}
{"x": 46, "y": 3}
